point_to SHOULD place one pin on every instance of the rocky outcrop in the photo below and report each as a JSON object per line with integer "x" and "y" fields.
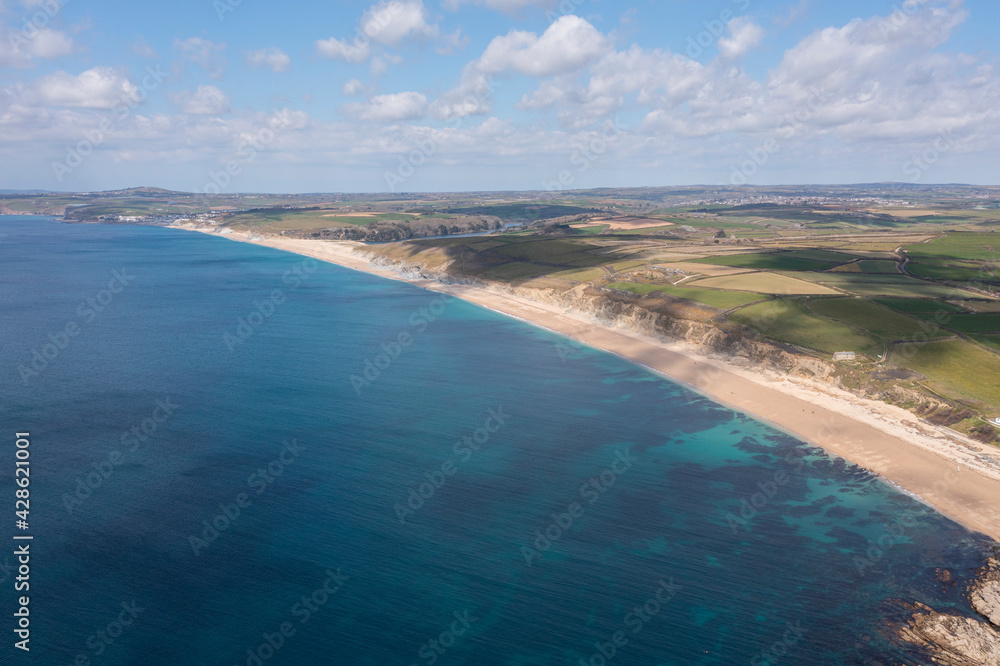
{"x": 985, "y": 592}
{"x": 962, "y": 641}
{"x": 953, "y": 640}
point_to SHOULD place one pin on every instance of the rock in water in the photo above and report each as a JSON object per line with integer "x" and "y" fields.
{"x": 954, "y": 640}
{"x": 985, "y": 592}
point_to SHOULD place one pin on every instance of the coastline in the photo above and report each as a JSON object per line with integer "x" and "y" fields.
{"x": 934, "y": 466}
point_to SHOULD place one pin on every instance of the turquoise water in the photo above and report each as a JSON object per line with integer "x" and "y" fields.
{"x": 488, "y": 494}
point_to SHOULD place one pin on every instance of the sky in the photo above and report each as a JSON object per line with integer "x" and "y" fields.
{"x": 465, "y": 95}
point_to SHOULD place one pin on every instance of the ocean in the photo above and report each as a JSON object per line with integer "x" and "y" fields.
{"x": 241, "y": 456}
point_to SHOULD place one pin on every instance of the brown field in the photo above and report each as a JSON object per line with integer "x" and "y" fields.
{"x": 980, "y": 306}
{"x": 627, "y": 223}
{"x": 353, "y": 214}
{"x": 763, "y": 283}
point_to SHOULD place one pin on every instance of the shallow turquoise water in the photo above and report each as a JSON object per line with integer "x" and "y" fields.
{"x": 440, "y": 534}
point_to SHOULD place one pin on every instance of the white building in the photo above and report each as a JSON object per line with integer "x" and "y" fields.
{"x": 844, "y": 356}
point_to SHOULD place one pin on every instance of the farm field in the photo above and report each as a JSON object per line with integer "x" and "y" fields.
{"x": 973, "y": 323}
{"x": 958, "y": 367}
{"x": 992, "y": 341}
{"x": 763, "y": 283}
{"x": 952, "y": 273}
{"x": 885, "y": 285}
{"x": 723, "y": 300}
{"x": 920, "y": 305}
{"x": 960, "y": 246}
{"x": 786, "y": 320}
{"x": 772, "y": 261}
{"x": 874, "y": 318}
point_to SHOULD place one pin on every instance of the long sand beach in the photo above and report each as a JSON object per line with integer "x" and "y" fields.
{"x": 936, "y": 466}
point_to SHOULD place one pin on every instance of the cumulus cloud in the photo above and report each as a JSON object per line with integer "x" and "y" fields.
{"x": 566, "y": 47}
{"x": 391, "y": 108}
{"x": 19, "y": 50}
{"x": 97, "y": 88}
{"x": 205, "y": 101}
{"x": 272, "y": 58}
{"x": 389, "y": 23}
{"x": 339, "y": 49}
{"x": 743, "y": 34}
{"x": 205, "y": 54}
{"x": 569, "y": 44}
{"x": 353, "y": 87}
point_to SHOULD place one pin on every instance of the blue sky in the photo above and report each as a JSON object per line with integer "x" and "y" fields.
{"x": 441, "y": 95}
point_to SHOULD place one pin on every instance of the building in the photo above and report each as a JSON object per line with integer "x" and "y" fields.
{"x": 844, "y": 356}
{"x": 996, "y": 422}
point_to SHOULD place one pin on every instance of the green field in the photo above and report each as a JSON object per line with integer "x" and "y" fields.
{"x": 777, "y": 261}
{"x": 956, "y": 367}
{"x": 952, "y": 273}
{"x": 919, "y": 305}
{"x": 992, "y": 341}
{"x": 874, "y": 266}
{"x": 885, "y": 285}
{"x": 959, "y": 245}
{"x": 875, "y": 318}
{"x": 785, "y": 320}
{"x": 723, "y": 300}
{"x": 973, "y": 323}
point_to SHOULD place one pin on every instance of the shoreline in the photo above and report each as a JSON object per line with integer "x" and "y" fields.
{"x": 940, "y": 469}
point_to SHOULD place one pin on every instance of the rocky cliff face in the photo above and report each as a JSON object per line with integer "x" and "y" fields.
{"x": 659, "y": 319}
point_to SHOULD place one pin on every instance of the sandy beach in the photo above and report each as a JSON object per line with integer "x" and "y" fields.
{"x": 951, "y": 473}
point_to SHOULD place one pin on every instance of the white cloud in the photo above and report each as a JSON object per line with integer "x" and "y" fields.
{"x": 566, "y": 46}
{"x": 206, "y": 54}
{"x": 353, "y": 87}
{"x": 272, "y": 58}
{"x": 337, "y": 49}
{"x": 743, "y": 35}
{"x": 391, "y": 21}
{"x": 19, "y": 50}
{"x": 391, "y": 108}
{"x": 97, "y": 88}
{"x": 205, "y": 101}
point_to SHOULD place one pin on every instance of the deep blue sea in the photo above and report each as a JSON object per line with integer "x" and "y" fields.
{"x": 242, "y": 456}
